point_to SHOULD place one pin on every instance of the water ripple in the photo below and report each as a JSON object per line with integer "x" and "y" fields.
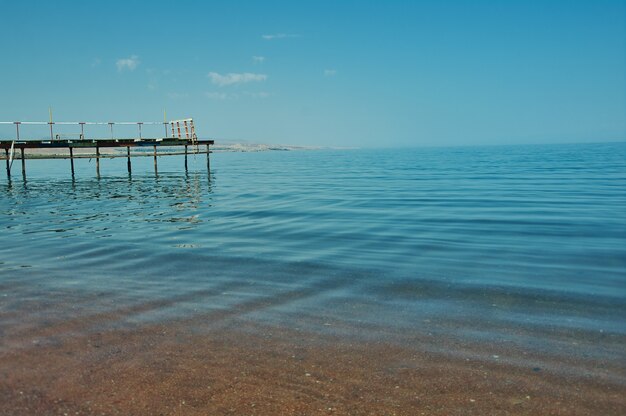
{"x": 520, "y": 243}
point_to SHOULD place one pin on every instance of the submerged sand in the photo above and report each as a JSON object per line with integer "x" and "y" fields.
{"x": 175, "y": 369}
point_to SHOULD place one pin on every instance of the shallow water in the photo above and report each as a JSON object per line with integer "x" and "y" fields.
{"x": 512, "y": 248}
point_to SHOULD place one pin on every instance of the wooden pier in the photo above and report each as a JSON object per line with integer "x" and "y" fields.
{"x": 178, "y": 134}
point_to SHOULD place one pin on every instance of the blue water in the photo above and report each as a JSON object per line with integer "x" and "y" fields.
{"x": 519, "y": 247}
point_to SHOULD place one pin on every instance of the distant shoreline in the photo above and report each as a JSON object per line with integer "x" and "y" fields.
{"x": 258, "y": 147}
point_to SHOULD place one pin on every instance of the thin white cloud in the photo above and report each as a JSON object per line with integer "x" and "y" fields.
{"x": 330, "y": 72}
{"x": 258, "y": 59}
{"x": 260, "y": 94}
{"x": 220, "y": 95}
{"x": 280, "y": 36}
{"x": 96, "y": 62}
{"x": 177, "y": 95}
{"x": 235, "y": 78}
{"x": 214, "y": 95}
{"x": 129, "y": 64}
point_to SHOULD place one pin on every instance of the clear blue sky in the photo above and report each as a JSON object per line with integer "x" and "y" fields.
{"x": 344, "y": 73}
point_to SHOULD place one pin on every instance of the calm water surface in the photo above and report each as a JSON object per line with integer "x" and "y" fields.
{"x": 522, "y": 247}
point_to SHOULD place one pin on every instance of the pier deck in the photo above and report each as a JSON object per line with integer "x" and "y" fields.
{"x": 13, "y": 146}
{"x": 102, "y": 143}
{"x": 182, "y": 136}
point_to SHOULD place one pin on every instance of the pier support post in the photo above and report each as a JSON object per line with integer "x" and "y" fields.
{"x": 72, "y": 160}
{"x": 23, "y": 163}
{"x": 208, "y": 161}
{"x": 128, "y": 157}
{"x": 6, "y": 152}
{"x": 185, "y": 158}
{"x": 155, "y": 160}
{"x": 97, "y": 159}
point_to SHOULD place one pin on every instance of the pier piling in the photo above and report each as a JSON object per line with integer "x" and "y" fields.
{"x": 72, "y": 160}
{"x": 208, "y": 161}
{"x": 23, "y": 163}
{"x": 155, "y": 160}
{"x": 97, "y": 160}
{"x": 128, "y": 159}
{"x": 6, "y": 152}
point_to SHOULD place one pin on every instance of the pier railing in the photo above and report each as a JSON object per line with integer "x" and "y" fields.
{"x": 181, "y": 129}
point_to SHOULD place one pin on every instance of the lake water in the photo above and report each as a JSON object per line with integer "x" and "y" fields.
{"x": 468, "y": 250}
